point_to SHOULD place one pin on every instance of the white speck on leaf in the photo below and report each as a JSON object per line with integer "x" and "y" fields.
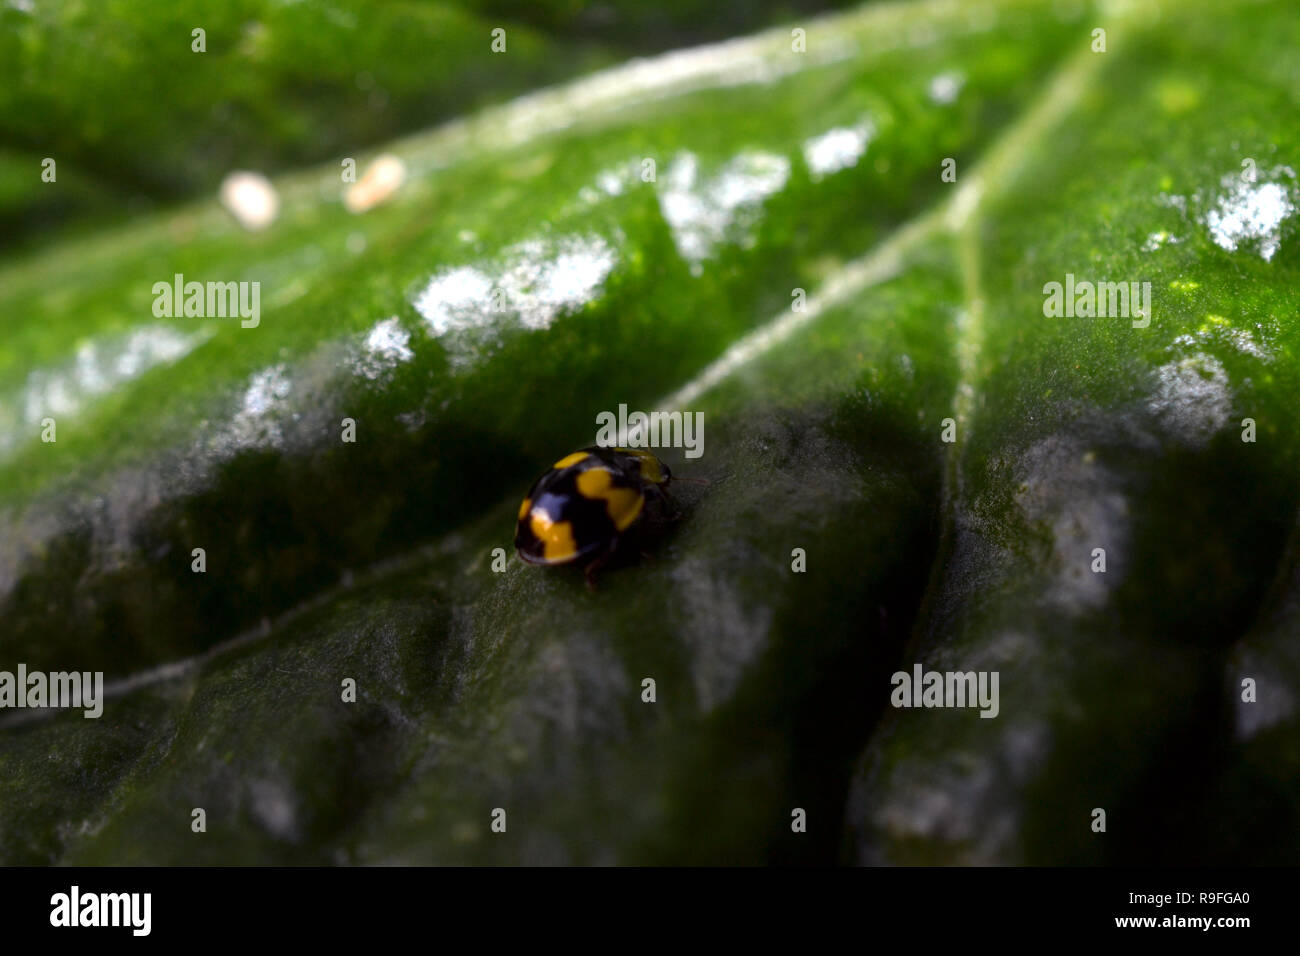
{"x": 1250, "y": 213}
{"x": 837, "y": 149}
{"x": 945, "y": 87}
{"x": 386, "y": 346}
{"x": 1192, "y": 397}
{"x": 537, "y": 281}
{"x": 251, "y": 199}
{"x": 703, "y": 213}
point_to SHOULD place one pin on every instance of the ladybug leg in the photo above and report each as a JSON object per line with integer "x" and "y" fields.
{"x": 661, "y": 498}
{"x": 597, "y": 563}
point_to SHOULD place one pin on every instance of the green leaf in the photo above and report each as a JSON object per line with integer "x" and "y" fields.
{"x": 176, "y": 434}
{"x": 134, "y": 114}
{"x": 371, "y": 561}
{"x": 1117, "y": 687}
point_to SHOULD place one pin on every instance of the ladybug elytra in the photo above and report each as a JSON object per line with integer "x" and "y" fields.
{"x": 578, "y": 511}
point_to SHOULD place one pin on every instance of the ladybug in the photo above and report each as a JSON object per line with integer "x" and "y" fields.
{"x": 579, "y": 509}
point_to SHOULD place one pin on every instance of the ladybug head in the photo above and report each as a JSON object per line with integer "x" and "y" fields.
{"x": 648, "y": 466}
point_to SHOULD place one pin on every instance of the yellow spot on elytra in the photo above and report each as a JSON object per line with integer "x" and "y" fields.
{"x": 623, "y": 504}
{"x": 1184, "y": 285}
{"x": 649, "y": 465}
{"x": 568, "y": 460}
{"x": 556, "y": 537}
{"x": 524, "y": 506}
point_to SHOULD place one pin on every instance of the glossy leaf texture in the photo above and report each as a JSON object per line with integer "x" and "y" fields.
{"x": 528, "y": 276}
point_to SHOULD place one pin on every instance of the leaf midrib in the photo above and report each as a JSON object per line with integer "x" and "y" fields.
{"x": 954, "y": 219}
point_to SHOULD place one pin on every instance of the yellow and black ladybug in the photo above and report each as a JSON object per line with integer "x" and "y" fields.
{"x": 577, "y": 511}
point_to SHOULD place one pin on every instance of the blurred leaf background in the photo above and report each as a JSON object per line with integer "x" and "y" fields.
{"x": 137, "y": 120}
